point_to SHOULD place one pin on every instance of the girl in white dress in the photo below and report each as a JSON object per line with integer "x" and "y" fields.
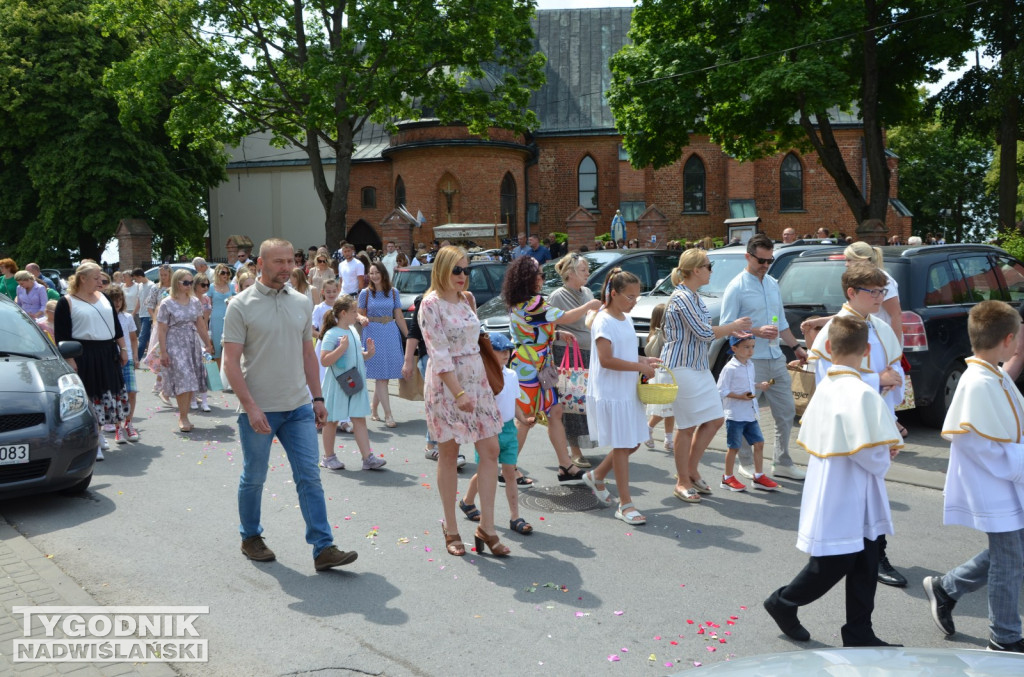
{"x": 615, "y": 416}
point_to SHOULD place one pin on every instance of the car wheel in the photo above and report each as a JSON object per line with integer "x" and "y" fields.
{"x": 78, "y": 487}
{"x": 935, "y": 413}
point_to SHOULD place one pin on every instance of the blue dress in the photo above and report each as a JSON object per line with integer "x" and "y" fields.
{"x": 220, "y": 306}
{"x": 341, "y": 407}
{"x": 386, "y": 362}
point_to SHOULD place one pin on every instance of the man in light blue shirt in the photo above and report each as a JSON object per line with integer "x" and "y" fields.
{"x": 755, "y": 294}
{"x": 523, "y": 249}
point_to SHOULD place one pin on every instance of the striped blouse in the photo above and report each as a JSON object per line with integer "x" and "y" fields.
{"x": 688, "y": 331}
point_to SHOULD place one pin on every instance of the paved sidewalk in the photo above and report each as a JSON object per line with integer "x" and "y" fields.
{"x": 28, "y": 578}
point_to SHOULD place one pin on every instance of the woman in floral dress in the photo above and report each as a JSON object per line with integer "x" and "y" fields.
{"x": 182, "y": 334}
{"x": 533, "y": 323}
{"x": 460, "y": 407}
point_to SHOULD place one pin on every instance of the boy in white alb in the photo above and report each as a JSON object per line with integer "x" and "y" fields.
{"x": 985, "y": 480}
{"x": 849, "y": 433}
{"x": 739, "y": 391}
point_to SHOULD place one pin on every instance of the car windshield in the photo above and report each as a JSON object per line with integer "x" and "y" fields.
{"x": 725, "y": 268}
{"x": 412, "y": 281}
{"x": 813, "y": 283}
{"x": 595, "y": 260}
{"x": 18, "y": 333}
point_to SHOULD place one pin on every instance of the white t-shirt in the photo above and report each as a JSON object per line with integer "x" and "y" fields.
{"x": 892, "y": 290}
{"x": 349, "y": 272}
{"x": 506, "y": 399}
{"x": 127, "y": 327}
{"x": 131, "y": 297}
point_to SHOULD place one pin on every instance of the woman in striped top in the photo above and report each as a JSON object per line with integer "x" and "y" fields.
{"x": 688, "y": 334}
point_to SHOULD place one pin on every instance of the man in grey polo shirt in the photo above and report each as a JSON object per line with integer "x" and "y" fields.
{"x": 270, "y": 363}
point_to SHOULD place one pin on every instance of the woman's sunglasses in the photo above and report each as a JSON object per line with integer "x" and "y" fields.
{"x": 224, "y": 272}
{"x": 203, "y": 284}
{"x": 459, "y": 270}
{"x": 186, "y": 283}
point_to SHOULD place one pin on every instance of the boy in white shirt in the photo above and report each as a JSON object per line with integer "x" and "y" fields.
{"x": 739, "y": 392}
{"x": 851, "y": 437}
{"x": 985, "y": 479}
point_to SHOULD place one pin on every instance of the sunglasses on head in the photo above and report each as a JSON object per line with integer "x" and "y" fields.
{"x": 459, "y": 270}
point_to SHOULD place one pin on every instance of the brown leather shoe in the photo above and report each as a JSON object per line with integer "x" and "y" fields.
{"x": 331, "y": 557}
{"x": 255, "y": 549}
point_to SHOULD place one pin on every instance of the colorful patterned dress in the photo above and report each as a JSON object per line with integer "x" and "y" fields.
{"x": 532, "y": 324}
{"x": 451, "y": 332}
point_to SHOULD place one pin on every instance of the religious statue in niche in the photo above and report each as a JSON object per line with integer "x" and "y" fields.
{"x": 449, "y": 195}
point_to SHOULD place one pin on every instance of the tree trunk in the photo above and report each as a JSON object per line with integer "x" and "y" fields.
{"x": 88, "y": 248}
{"x": 874, "y": 145}
{"x": 335, "y": 226}
{"x": 831, "y": 158}
{"x": 1009, "y": 95}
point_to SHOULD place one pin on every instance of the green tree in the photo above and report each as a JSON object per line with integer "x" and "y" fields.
{"x": 943, "y": 180}
{"x": 314, "y": 72}
{"x": 69, "y": 171}
{"x": 989, "y": 101}
{"x": 760, "y": 78}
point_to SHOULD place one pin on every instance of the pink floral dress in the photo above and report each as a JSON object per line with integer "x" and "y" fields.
{"x": 451, "y": 332}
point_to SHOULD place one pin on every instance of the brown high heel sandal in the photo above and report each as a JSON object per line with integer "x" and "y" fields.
{"x": 497, "y": 549}
{"x": 453, "y": 543}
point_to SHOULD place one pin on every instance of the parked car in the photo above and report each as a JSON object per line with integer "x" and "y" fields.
{"x": 153, "y": 274}
{"x": 650, "y": 265}
{"x": 938, "y": 288}
{"x": 484, "y": 281}
{"x": 727, "y": 262}
{"x": 48, "y": 433}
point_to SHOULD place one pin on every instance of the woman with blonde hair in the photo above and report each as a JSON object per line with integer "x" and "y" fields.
{"x": 301, "y": 285}
{"x": 688, "y": 335}
{"x": 320, "y": 272}
{"x": 890, "y": 311}
{"x": 459, "y": 403}
{"x": 182, "y": 336}
{"x": 85, "y": 315}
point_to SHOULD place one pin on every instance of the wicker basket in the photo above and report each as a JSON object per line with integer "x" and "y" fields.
{"x": 658, "y": 393}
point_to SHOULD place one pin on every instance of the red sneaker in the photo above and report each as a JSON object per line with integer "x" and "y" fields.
{"x": 766, "y": 483}
{"x": 732, "y": 484}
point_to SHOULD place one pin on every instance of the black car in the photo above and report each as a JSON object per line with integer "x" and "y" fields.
{"x": 938, "y": 286}
{"x": 484, "y": 281}
{"x": 48, "y": 433}
{"x": 650, "y": 265}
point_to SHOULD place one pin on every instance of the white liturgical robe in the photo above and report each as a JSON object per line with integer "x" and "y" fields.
{"x": 848, "y": 431}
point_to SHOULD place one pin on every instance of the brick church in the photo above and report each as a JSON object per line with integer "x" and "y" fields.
{"x": 569, "y": 175}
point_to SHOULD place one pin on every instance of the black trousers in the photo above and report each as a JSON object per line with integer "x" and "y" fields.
{"x": 819, "y": 576}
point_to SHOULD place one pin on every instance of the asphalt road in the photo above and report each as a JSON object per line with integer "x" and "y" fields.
{"x": 585, "y": 594}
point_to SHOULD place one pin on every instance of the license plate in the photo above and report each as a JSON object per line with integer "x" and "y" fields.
{"x": 11, "y": 454}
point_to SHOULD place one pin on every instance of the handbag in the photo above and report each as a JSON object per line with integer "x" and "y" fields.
{"x": 547, "y": 375}
{"x": 411, "y": 388}
{"x": 572, "y": 381}
{"x": 213, "y": 381}
{"x": 350, "y": 380}
{"x": 492, "y": 365}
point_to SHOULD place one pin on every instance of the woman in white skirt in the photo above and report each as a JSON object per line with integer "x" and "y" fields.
{"x": 698, "y": 407}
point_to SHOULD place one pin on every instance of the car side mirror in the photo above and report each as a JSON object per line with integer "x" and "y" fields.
{"x": 69, "y": 350}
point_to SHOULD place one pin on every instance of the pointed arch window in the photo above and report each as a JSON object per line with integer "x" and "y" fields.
{"x": 587, "y": 174}
{"x": 791, "y": 184}
{"x": 509, "y": 212}
{"x": 399, "y": 192}
{"x": 694, "y": 186}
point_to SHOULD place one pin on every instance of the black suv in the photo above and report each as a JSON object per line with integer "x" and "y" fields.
{"x": 650, "y": 265}
{"x": 484, "y": 281}
{"x": 938, "y": 287}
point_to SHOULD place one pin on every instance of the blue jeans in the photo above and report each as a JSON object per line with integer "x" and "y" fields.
{"x": 423, "y": 373}
{"x": 1001, "y": 567}
{"x": 145, "y": 326}
{"x": 296, "y": 431}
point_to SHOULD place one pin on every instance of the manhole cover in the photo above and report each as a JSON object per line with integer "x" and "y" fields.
{"x": 559, "y": 499}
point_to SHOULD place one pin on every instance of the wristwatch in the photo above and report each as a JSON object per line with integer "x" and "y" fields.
{"x": 318, "y": 399}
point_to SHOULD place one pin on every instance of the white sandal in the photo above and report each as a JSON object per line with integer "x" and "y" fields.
{"x": 603, "y": 496}
{"x": 630, "y": 515}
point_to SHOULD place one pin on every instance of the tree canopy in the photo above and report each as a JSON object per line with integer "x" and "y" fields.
{"x": 761, "y": 78}
{"x": 314, "y": 72}
{"x": 69, "y": 170}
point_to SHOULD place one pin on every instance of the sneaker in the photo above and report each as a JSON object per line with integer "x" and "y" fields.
{"x": 669, "y": 446}
{"x": 732, "y": 484}
{"x": 790, "y": 471}
{"x": 431, "y": 453}
{"x": 744, "y": 471}
{"x": 765, "y": 483}
{"x": 460, "y": 462}
{"x": 332, "y": 463}
{"x": 120, "y": 436}
{"x": 133, "y": 434}
{"x": 942, "y": 604}
{"x": 346, "y": 427}
{"x": 372, "y": 462}
{"x": 109, "y": 427}
{"x": 99, "y": 455}
{"x": 104, "y": 445}
{"x": 193, "y": 405}
{"x": 205, "y": 407}
{"x": 1012, "y": 647}
{"x": 331, "y": 557}
{"x": 255, "y": 549}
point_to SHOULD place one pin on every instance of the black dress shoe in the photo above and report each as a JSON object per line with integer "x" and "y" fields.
{"x": 871, "y": 642}
{"x": 888, "y": 575}
{"x": 787, "y": 621}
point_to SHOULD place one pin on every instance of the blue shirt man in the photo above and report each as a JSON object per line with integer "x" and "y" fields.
{"x": 538, "y": 251}
{"x": 755, "y": 294}
{"x": 522, "y": 250}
